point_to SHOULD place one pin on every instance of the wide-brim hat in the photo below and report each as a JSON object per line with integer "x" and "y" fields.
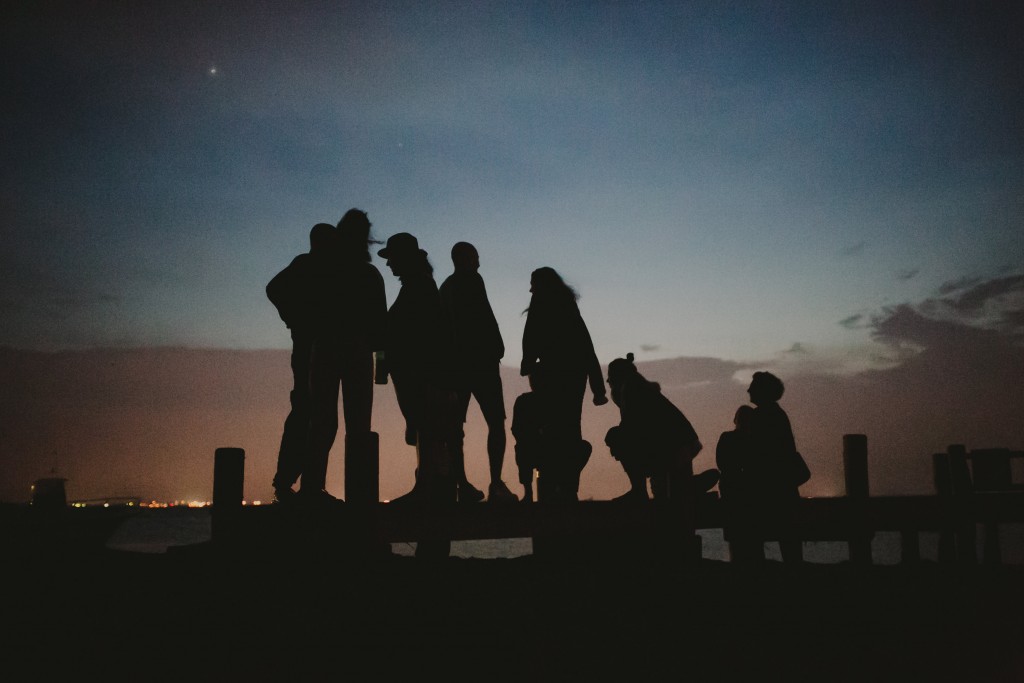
{"x": 401, "y": 243}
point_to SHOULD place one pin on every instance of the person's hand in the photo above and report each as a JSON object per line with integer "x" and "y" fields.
{"x": 600, "y": 399}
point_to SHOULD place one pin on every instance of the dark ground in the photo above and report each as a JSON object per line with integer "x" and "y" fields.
{"x": 209, "y": 616}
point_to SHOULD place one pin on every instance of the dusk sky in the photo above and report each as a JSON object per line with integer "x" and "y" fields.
{"x": 833, "y": 191}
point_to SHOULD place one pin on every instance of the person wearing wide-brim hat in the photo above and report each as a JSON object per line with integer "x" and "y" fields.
{"x": 402, "y": 245}
{"x": 417, "y": 353}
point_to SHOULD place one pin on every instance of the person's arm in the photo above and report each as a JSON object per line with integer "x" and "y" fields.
{"x": 594, "y": 374}
{"x": 377, "y": 308}
{"x": 496, "y": 343}
{"x": 530, "y": 354}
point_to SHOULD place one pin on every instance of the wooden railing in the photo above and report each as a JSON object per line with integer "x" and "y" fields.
{"x": 973, "y": 489}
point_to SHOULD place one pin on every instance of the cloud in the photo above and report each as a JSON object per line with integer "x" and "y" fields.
{"x": 852, "y": 322}
{"x": 957, "y": 285}
{"x": 147, "y": 421}
{"x": 908, "y": 274}
{"x": 853, "y": 250}
{"x": 649, "y": 348}
{"x": 985, "y": 304}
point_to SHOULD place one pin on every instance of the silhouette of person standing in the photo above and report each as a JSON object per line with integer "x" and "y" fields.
{"x": 295, "y": 293}
{"x": 349, "y": 327}
{"x": 557, "y": 342}
{"x": 417, "y": 353}
{"x": 478, "y": 350}
{"x": 772, "y": 487}
{"x": 653, "y": 439}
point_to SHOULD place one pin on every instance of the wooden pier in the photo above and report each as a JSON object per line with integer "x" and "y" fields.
{"x": 974, "y": 489}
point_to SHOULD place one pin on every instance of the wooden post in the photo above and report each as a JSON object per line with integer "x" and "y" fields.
{"x": 991, "y": 471}
{"x": 228, "y": 479}
{"x": 944, "y": 489}
{"x": 855, "y": 470}
{"x": 362, "y": 468}
{"x": 910, "y": 546}
{"x": 963, "y": 505}
{"x": 435, "y": 472}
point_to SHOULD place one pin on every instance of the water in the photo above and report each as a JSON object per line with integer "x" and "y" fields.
{"x": 154, "y": 530}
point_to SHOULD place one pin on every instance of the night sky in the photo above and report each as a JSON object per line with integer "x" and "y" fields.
{"x": 833, "y": 191}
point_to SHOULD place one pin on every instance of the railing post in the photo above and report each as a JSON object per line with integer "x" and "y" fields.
{"x": 991, "y": 471}
{"x": 362, "y": 492}
{"x": 362, "y": 468}
{"x": 228, "y": 479}
{"x": 944, "y": 489}
{"x": 963, "y": 497}
{"x": 855, "y": 470}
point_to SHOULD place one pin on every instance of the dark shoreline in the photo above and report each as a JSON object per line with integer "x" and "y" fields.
{"x": 213, "y": 615}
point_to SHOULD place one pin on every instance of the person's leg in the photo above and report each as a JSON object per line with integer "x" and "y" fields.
{"x": 356, "y": 370}
{"x": 637, "y": 482}
{"x": 324, "y": 378}
{"x": 294, "y": 437}
{"x": 467, "y": 493}
{"x": 490, "y": 396}
{"x": 564, "y": 400}
{"x": 362, "y": 466}
{"x": 405, "y": 390}
{"x": 488, "y": 392}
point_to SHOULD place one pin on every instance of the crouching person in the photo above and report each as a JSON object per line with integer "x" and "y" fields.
{"x": 654, "y": 440}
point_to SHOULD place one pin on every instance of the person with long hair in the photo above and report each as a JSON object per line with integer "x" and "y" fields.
{"x": 557, "y": 343}
{"x": 418, "y": 358}
{"x": 350, "y": 327}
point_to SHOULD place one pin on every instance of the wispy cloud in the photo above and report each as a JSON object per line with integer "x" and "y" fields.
{"x": 852, "y": 322}
{"x": 853, "y": 250}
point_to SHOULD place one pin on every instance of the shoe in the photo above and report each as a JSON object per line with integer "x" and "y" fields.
{"x": 413, "y": 497}
{"x": 497, "y": 492}
{"x": 706, "y": 480}
{"x": 469, "y": 493}
{"x": 285, "y": 495}
{"x": 319, "y": 498}
{"x": 632, "y": 496}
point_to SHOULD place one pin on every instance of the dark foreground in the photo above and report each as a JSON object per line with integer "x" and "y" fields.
{"x": 200, "y": 615}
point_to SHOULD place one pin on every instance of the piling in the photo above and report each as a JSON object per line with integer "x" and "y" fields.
{"x": 991, "y": 472}
{"x": 228, "y": 480}
{"x": 965, "y": 530}
{"x": 943, "y": 479}
{"x": 855, "y": 471}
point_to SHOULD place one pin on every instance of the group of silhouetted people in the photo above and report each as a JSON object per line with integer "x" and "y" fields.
{"x": 441, "y": 347}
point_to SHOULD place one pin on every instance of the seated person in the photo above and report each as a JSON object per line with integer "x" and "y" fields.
{"x": 557, "y": 461}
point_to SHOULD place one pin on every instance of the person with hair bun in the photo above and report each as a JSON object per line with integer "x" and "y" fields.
{"x": 557, "y": 344}
{"x": 653, "y": 440}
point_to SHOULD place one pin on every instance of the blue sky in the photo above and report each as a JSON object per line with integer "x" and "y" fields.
{"x": 716, "y": 179}
{"x": 833, "y": 191}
